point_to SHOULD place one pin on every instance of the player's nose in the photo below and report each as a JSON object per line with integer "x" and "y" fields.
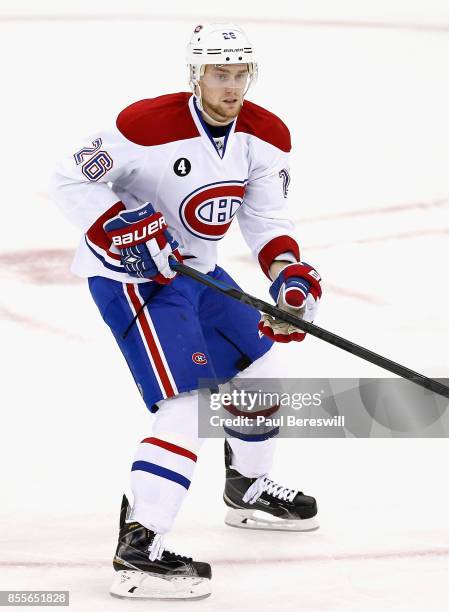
{"x": 231, "y": 90}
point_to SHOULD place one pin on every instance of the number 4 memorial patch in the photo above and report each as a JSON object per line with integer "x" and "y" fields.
{"x": 182, "y": 166}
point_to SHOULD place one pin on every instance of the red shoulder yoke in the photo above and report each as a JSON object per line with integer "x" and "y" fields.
{"x": 255, "y": 120}
{"x": 157, "y": 121}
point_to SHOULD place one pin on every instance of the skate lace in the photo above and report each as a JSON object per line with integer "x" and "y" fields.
{"x": 264, "y": 484}
{"x": 157, "y": 549}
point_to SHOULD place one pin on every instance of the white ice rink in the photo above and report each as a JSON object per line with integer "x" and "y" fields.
{"x": 364, "y": 88}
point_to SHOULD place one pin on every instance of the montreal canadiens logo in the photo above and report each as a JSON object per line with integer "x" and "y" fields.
{"x": 208, "y": 211}
{"x": 199, "y": 358}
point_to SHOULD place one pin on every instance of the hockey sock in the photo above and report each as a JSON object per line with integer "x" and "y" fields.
{"x": 252, "y": 459}
{"x": 164, "y": 463}
{"x": 160, "y": 478}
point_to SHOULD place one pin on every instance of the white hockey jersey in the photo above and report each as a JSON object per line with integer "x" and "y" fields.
{"x": 160, "y": 151}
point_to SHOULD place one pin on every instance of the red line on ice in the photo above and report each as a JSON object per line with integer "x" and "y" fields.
{"x": 405, "y": 554}
{"x": 385, "y": 210}
{"x": 292, "y": 22}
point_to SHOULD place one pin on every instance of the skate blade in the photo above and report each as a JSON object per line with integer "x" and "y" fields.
{"x": 257, "y": 519}
{"x": 130, "y": 584}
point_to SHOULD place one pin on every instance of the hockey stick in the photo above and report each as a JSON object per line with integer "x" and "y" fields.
{"x": 310, "y": 328}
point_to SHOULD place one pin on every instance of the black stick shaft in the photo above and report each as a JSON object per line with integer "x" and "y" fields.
{"x": 314, "y": 330}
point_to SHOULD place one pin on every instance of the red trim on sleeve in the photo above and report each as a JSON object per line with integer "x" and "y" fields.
{"x": 157, "y": 121}
{"x": 96, "y": 233}
{"x": 255, "y": 120}
{"x": 276, "y": 246}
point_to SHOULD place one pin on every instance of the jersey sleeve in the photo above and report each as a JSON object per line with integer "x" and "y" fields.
{"x": 263, "y": 218}
{"x": 82, "y": 184}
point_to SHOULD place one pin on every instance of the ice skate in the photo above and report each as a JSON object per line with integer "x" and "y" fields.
{"x": 260, "y": 503}
{"x": 146, "y": 571}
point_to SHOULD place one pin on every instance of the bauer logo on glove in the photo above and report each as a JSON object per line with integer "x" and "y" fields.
{"x": 142, "y": 232}
{"x": 144, "y": 242}
{"x": 296, "y": 290}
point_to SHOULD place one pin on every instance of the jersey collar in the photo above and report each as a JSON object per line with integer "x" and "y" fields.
{"x": 205, "y": 133}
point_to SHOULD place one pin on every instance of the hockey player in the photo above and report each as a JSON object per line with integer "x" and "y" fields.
{"x": 167, "y": 181}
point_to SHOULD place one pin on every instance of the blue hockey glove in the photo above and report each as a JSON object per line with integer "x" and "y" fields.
{"x": 297, "y": 290}
{"x": 144, "y": 242}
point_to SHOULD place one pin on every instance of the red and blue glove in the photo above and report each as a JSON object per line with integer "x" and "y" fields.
{"x": 296, "y": 290}
{"x": 141, "y": 235}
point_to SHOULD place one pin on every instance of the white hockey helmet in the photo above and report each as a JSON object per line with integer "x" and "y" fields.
{"x": 219, "y": 44}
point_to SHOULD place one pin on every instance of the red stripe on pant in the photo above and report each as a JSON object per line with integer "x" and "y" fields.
{"x": 171, "y": 447}
{"x": 149, "y": 338}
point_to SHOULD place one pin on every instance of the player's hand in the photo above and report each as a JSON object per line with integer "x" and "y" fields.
{"x": 297, "y": 290}
{"x": 144, "y": 243}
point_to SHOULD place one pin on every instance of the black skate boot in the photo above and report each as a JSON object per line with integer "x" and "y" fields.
{"x": 168, "y": 576}
{"x": 260, "y": 503}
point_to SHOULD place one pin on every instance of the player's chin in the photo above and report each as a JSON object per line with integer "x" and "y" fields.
{"x": 230, "y": 109}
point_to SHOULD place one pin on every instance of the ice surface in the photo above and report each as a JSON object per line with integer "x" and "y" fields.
{"x": 370, "y": 193}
